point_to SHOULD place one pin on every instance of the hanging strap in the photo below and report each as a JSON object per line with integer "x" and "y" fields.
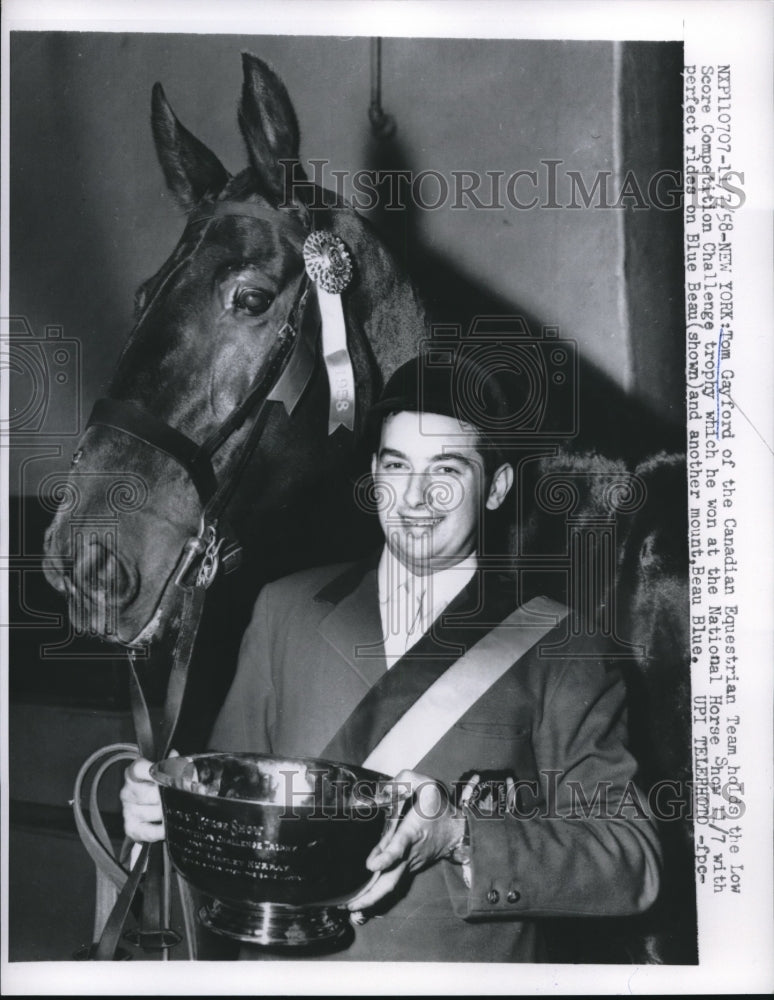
{"x": 152, "y": 867}
{"x": 107, "y": 946}
{"x": 460, "y": 686}
{"x": 91, "y": 828}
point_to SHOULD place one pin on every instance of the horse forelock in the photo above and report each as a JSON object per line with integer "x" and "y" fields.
{"x": 246, "y": 186}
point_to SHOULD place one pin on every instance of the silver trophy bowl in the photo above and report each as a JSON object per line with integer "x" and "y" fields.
{"x": 276, "y": 844}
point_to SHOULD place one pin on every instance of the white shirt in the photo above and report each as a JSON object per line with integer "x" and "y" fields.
{"x": 409, "y": 604}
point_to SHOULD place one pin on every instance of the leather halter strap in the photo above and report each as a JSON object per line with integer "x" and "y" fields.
{"x": 130, "y": 419}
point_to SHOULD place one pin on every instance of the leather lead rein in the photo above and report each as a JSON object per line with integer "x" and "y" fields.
{"x": 283, "y": 380}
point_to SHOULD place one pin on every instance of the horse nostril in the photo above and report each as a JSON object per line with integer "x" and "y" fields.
{"x": 100, "y": 573}
{"x": 116, "y": 570}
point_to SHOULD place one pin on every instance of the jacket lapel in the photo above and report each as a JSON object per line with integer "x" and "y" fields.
{"x": 354, "y": 626}
{"x": 394, "y": 691}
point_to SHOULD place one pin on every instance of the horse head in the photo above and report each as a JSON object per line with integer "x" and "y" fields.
{"x": 220, "y": 401}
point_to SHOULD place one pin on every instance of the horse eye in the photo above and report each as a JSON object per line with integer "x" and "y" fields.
{"x": 252, "y": 301}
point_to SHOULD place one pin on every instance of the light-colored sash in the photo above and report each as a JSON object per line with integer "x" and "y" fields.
{"x": 445, "y": 702}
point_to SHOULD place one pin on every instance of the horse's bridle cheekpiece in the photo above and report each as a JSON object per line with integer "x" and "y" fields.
{"x": 283, "y": 379}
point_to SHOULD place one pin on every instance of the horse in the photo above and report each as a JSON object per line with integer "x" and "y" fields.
{"x": 653, "y": 588}
{"x": 213, "y": 327}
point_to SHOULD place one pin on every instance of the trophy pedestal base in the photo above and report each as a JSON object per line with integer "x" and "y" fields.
{"x": 278, "y": 925}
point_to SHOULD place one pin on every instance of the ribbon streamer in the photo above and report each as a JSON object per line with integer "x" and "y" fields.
{"x": 338, "y": 364}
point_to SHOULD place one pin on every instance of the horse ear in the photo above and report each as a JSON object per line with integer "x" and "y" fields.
{"x": 269, "y": 126}
{"x": 191, "y": 170}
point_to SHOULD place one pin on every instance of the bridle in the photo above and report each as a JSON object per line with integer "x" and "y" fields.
{"x": 282, "y": 380}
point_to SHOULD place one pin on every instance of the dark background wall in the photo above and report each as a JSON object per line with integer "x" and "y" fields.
{"x": 90, "y": 219}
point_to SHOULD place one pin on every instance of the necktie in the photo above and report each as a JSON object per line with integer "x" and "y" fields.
{"x": 415, "y": 613}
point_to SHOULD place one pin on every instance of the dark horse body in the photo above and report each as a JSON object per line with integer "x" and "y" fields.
{"x": 208, "y": 324}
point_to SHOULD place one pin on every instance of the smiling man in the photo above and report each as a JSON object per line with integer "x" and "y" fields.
{"x": 422, "y": 663}
{"x": 433, "y": 484}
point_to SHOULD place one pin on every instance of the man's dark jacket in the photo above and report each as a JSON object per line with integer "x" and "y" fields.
{"x": 311, "y": 655}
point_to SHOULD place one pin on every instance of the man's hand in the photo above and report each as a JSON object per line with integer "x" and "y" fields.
{"x": 428, "y": 831}
{"x": 141, "y": 803}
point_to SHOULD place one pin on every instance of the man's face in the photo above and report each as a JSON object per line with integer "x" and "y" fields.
{"x": 431, "y": 490}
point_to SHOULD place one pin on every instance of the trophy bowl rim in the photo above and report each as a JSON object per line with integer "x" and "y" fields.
{"x": 166, "y": 781}
{"x": 294, "y": 891}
